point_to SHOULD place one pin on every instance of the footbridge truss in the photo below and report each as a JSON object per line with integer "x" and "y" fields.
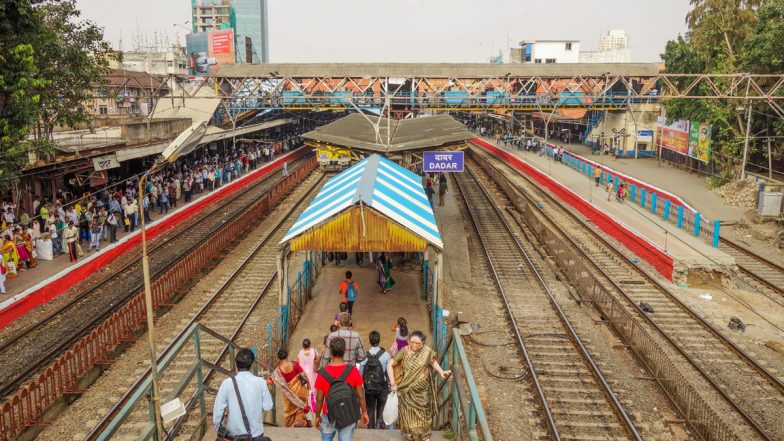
{"x": 470, "y": 87}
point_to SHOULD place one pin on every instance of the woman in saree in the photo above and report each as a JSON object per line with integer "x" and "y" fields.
{"x": 415, "y": 394}
{"x": 293, "y": 382}
{"x": 21, "y": 249}
{"x": 10, "y": 257}
{"x": 385, "y": 278}
{"x": 28, "y": 236}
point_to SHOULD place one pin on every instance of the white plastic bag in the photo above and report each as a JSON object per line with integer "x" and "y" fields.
{"x": 390, "y": 409}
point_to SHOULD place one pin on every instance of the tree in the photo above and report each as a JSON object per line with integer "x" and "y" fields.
{"x": 20, "y": 86}
{"x": 49, "y": 61}
{"x": 720, "y": 32}
{"x": 74, "y": 58}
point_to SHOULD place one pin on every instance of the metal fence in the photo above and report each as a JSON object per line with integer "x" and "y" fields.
{"x": 299, "y": 293}
{"x": 26, "y": 408}
{"x": 458, "y": 402}
{"x": 700, "y": 416}
{"x": 647, "y": 197}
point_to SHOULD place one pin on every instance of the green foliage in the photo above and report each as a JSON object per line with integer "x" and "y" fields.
{"x": 728, "y": 36}
{"x": 49, "y": 60}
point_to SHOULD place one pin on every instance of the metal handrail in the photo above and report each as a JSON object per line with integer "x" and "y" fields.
{"x": 462, "y": 407}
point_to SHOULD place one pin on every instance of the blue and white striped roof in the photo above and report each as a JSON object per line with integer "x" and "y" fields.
{"x": 380, "y": 184}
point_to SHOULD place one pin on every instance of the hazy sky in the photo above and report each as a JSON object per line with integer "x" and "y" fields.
{"x": 411, "y": 30}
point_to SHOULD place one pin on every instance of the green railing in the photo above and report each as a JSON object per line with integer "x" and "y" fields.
{"x": 458, "y": 403}
{"x": 199, "y": 371}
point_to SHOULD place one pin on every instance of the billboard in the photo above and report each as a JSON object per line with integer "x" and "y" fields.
{"x": 699, "y": 141}
{"x": 689, "y": 138}
{"x": 208, "y": 50}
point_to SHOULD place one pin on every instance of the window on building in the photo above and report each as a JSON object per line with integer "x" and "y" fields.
{"x": 568, "y": 46}
{"x": 549, "y": 60}
{"x": 170, "y": 63}
{"x": 103, "y": 110}
{"x": 538, "y": 61}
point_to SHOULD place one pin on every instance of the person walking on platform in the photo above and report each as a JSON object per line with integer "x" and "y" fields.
{"x": 70, "y": 235}
{"x": 441, "y": 189}
{"x": 401, "y": 336}
{"x": 415, "y": 406}
{"x": 112, "y": 221}
{"x": 290, "y": 378}
{"x": 308, "y": 359}
{"x": 374, "y": 375}
{"x": 349, "y": 290}
{"x": 597, "y": 175}
{"x": 340, "y": 400}
{"x": 95, "y": 228}
{"x": 429, "y": 192}
{"x": 354, "y": 350}
{"x": 610, "y": 190}
{"x": 246, "y": 396}
{"x": 385, "y": 280}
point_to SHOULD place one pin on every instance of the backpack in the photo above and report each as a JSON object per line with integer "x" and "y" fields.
{"x": 351, "y": 291}
{"x": 373, "y": 374}
{"x": 342, "y": 400}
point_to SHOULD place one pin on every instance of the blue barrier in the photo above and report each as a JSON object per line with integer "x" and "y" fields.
{"x": 632, "y": 193}
{"x": 653, "y": 203}
{"x": 642, "y": 197}
{"x": 716, "y": 226}
{"x": 667, "y": 209}
{"x": 680, "y": 216}
{"x": 617, "y": 183}
{"x": 697, "y": 224}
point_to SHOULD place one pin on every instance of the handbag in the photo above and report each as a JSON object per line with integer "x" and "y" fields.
{"x": 79, "y": 251}
{"x": 390, "y": 409}
{"x": 127, "y": 221}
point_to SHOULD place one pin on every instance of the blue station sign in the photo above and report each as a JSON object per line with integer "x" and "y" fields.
{"x": 433, "y": 162}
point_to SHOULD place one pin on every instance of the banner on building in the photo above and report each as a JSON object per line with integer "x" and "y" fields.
{"x": 207, "y": 50}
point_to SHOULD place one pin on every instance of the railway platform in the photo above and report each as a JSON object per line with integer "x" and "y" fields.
{"x": 686, "y": 251}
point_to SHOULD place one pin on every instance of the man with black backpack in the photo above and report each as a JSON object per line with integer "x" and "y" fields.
{"x": 374, "y": 375}
{"x": 340, "y": 400}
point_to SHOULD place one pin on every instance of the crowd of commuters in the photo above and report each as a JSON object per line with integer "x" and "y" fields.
{"x": 343, "y": 385}
{"x": 86, "y": 223}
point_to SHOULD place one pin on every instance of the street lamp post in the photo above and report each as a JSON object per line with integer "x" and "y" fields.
{"x": 182, "y": 145}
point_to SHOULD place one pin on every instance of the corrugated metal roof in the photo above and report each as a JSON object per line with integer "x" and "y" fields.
{"x": 434, "y": 70}
{"x": 379, "y": 184}
{"x": 407, "y": 134}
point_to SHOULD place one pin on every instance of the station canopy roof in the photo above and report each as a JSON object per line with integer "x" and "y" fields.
{"x": 356, "y": 131}
{"x": 375, "y": 205}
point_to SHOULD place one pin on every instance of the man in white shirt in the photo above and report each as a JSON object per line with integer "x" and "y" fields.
{"x": 255, "y": 397}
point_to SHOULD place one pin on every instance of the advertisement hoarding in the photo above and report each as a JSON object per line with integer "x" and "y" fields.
{"x": 689, "y": 138}
{"x": 699, "y": 141}
{"x": 208, "y": 50}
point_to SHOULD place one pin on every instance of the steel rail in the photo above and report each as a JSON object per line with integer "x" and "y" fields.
{"x": 25, "y": 373}
{"x": 596, "y": 372}
{"x": 104, "y": 423}
{"x": 751, "y": 273}
{"x": 775, "y": 382}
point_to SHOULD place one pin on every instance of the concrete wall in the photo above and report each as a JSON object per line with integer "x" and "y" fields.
{"x": 557, "y": 50}
{"x": 615, "y": 124}
{"x": 159, "y": 129}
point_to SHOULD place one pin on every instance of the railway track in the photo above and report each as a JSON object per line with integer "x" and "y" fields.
{"x": 226, "y": 312}
{"x": 755, "y": 395}
{"x": 30, "y": 349}
{"x": 575, "y": 399}
{"x": 765, "y": 275}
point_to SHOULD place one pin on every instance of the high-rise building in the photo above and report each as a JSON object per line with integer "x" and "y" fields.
{"x": 614, "y": 39}
{"x": 248, "y": 18}
{"x": 251, "y": 20}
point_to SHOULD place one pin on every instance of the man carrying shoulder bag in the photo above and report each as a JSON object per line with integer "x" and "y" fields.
{"x": 246, "y": 396}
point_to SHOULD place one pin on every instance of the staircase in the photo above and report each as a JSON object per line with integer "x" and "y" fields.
{"x": 310, "y": 434}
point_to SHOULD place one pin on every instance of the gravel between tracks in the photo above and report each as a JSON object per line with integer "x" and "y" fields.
{"x": 75, "y": 422}
{"x": 33, "y": 347}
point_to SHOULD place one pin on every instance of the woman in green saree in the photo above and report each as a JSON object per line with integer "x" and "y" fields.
{"x": 415, "y": 395}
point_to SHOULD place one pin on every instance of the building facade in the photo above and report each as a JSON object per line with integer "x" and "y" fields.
{"x": 614, "y": 39}
{"x": 248, "y": 18}
{"x": 164, "y": 62}
{"x": 545, "y": 52}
